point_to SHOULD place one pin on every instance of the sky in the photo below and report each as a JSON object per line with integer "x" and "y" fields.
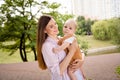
{"x": 64, "y": 8}
{"x": 66, "y": 5}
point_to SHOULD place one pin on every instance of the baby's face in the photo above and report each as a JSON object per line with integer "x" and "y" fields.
{"x": 69, "y": 28}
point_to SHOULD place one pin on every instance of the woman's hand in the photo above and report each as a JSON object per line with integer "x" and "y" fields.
{"x": 76, "y": 64}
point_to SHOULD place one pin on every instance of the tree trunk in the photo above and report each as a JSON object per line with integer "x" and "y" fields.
{"x": 22, "y": 49}
{"x": 34, "y": 51}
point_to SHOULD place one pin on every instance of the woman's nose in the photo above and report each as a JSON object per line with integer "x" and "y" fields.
{"x": 55, "y": 26}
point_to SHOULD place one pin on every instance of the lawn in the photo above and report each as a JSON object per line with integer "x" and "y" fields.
{"x": 15, "y": 58}
{"x": 93, "y": 43}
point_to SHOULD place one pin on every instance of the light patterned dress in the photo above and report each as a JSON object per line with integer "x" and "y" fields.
{"x": 53, "y": 60}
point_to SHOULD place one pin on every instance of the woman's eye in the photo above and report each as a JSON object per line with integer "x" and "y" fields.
{"x": 51, "y": 26}
{"x": 70, "y": 28}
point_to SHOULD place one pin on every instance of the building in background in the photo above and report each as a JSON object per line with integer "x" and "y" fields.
{"x": 96, "y": 9}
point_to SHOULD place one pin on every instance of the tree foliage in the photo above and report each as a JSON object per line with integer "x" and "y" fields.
{"x": 107, "y": 30}
{"x": 114, "y": 30}
{"x": 100, "y": 30}
{"x": 84, "y": 25}
{"x": 18, "y": 24}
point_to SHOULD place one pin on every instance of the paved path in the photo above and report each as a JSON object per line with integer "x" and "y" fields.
{"x": 100, "y": 67}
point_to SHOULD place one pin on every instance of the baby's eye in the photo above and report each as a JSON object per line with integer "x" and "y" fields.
{"x": 55, "y": 23}
{"x": 65, "y": 26}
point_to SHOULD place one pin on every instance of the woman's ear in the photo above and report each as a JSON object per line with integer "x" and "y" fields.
{"x": 45, "y": 31}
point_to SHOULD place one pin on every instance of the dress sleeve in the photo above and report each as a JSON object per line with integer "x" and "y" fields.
{"x": 51, "y": 60}
{"x": 70, "y": 40}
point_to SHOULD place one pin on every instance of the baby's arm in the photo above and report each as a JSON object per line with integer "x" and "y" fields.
{"x": 64, "y": 45}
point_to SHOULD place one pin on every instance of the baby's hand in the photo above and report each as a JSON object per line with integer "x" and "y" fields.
{"x": 55, "y": 50}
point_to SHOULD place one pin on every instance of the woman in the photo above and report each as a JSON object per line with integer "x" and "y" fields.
{"x": 46, "y": 40}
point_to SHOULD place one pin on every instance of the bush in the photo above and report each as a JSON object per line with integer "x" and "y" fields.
{"x": 114, "y": 30}
{"x": 83, "y": 45}
{"x": 100, "y": 30}
{"x": 118, "y": 71}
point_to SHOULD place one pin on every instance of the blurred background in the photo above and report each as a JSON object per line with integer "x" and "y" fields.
{"x": 98, "y": 25}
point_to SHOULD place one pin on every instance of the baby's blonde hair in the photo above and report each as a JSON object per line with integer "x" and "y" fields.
{"x": 71, "y": 22}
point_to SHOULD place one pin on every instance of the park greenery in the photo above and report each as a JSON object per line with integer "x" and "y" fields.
{"x": 18, "y": 25}
{"x": 84, "y": 25}
{"x": 92, "y": 43}
{"x": 118, "y": 71}
{"x": 107, "y": 30}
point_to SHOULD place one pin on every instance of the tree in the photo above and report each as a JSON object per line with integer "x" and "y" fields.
{"x": 84, "y": 25}
{"x": 18, "y": 26}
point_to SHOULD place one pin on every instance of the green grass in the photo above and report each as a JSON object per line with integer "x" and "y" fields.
{"x": 93, "y": 43}
{"x": 15, "y": 58}
{"x": 5, "y": 58}
{"x": 118, "y": 71}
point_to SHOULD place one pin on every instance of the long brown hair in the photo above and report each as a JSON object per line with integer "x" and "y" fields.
{"x": 41, "y": 36}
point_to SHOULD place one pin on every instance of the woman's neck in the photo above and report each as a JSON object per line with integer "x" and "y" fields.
{"x": 54, "y": 37}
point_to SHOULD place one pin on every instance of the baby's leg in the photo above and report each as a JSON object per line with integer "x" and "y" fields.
{"x": 79, "y": 75}
{"x": 82, "y": 72}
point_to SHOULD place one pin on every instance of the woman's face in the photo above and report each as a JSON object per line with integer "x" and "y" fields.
{"x": 51, "y": 28}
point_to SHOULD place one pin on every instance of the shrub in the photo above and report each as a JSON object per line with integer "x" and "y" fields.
{"x": 83, "y": 45}
{"x": 114, "y": 30}
{"x": 100, "y": 30}
{"x": 118, "y": 70}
